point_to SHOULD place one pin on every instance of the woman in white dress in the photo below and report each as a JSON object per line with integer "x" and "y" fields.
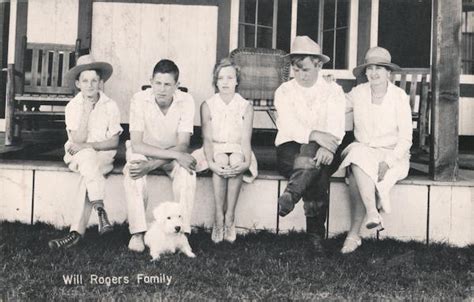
{"x": 227, "y": 131}
{"x": 380, "y": 155}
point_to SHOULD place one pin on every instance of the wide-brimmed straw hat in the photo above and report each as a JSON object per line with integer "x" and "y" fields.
{"x": 87, "y": 62}
{"x": 376, "y": 56}
{"x": 304, "y": 45}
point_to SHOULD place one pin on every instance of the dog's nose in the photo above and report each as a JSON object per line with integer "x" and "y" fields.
{"x": 177, "y": 228}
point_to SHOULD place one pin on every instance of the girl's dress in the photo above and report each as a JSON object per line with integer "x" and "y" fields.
{"x": 227, "y": 122}
{"x": 383, "y": 132}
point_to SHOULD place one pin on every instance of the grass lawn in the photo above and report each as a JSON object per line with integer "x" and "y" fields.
{"x": 258, "y": 266}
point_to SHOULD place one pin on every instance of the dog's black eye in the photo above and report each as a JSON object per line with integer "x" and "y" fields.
{"x": 179, "y": 216}
{"x": 169, "y": 217}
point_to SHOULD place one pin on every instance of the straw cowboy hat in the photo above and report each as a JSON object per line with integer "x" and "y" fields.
{"x": 87, "y": 62}
{"x": 376, "y": 56}
{"x": 303, "y": 45}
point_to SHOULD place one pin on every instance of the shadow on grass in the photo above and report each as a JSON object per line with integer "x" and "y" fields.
{"x": 259, "y": 265}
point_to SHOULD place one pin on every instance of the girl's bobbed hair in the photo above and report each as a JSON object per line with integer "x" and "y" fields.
{"x": 226, "y": 62}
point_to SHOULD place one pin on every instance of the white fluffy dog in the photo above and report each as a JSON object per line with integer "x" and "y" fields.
{"x": 166, "y": 234}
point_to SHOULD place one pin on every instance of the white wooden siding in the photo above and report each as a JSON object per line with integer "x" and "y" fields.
{"x": 52, "y": 21}
{"x": 134, "y": 37}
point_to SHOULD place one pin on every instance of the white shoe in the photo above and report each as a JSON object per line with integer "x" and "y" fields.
{"x": 217, "y": 233}
{"x": 374, "y": 220}
{"x": 136, "y": 243}
{"x": 229, "y": 233}
{"x": 351, "y": 244}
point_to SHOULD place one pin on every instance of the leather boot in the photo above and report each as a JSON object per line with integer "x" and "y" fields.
{"x": 315, "y": 230}
{"x": 299, "y": 180}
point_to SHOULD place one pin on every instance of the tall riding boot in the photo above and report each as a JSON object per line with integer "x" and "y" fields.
{"x": 315, "y": 230}
{"x": 297, "y": 184}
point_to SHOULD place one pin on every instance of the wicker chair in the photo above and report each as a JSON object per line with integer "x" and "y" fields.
{"x": 262, "y": 72}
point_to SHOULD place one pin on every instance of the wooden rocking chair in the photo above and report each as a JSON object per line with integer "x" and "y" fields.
{"x": 43, "y": 81}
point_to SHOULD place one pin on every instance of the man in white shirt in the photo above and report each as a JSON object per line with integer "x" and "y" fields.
{"x": 161, "y": 125}
{"x": 93, "y": 129}
{"x": 311, "y": 118}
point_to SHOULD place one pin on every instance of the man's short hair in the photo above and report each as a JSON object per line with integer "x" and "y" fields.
{"x": 97, "y": 71}
{"x": 166, "y": 66}
{"x": 297, "y": 59}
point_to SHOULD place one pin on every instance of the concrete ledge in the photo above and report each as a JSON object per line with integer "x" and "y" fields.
{"x": 423, "y": 210}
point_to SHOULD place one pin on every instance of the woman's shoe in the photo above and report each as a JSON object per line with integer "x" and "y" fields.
{"x": 217, "y": 233}
{"x": 229, "y": 233}
{"x": 351, "y": 244}
{"x": 374, "y": 220}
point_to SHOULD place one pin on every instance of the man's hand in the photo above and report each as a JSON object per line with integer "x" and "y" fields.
{"x": 187, "y": 161}
{"x": 323, "y": 157}
{"x": 139, "y": 168}
{"x": 76, "y": 147}
{"x": 383, "y": 168}
{"x": 326, "y": 140}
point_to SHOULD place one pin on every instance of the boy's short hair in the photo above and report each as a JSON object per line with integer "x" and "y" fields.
{"x": 97, "y": 71}
{"x": 297, "y": 59}
{"x": 225, "y": 62}
{"x": 166, "y": 66}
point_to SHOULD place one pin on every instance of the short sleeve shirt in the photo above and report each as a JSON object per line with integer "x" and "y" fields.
{"x": 161, "y": 130}
{"x": 104, "y": 119}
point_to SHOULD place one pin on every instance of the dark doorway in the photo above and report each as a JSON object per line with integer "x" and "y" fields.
{"x": 405, "y": 30}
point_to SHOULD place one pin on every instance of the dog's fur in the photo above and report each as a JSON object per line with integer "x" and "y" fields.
{"x": 166, "y": 233}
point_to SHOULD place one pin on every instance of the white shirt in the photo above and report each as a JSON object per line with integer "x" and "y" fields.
{"x": 387, "y": 125}
{"x": 104, "y": 119}
{"x": 302, "y": 110}
{"x": 227, "y": 119}
{"x": 158, "y": 129}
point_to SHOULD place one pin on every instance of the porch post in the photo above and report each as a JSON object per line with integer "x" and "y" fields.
{"x": 10, "y": 105}
{"x": 445, "y": 78}
{"x": 223, "y": 28}
{"x": 84, "y": 26}
{"x": 17, "y": 32}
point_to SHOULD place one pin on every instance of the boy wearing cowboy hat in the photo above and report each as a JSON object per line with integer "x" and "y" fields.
{"x": 311, "y": 122}
{"x": 93, "y": 129}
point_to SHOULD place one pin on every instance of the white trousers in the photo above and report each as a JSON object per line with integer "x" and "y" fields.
{"x": 92, "y": 165}
{"x": 184, "y": 188}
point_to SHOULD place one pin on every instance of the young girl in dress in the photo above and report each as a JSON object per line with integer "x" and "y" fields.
{"x": 227, "y": 120}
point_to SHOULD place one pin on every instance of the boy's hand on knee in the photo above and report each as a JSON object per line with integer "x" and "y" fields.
{"x": 139, "y": 168}
{"x": 325, "y": 140}
{"x": 323, "y": 157}
{"x": 187, "y": 161}
{"x": 76, "y": 147}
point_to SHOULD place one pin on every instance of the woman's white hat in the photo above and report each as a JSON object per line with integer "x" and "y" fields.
{"x": 87, "y": 62}
{"x": 376, "y": 56}
{"x": 304, "y": 45}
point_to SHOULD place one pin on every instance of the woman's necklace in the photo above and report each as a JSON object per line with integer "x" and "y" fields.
{"x": 377, "y": 97}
